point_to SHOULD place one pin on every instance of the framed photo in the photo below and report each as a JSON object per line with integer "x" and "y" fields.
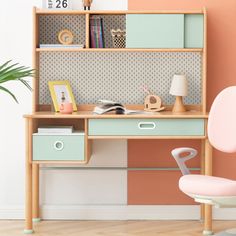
{"x": 61, "y": 92}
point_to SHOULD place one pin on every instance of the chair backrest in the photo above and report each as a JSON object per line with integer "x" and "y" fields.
{"x": 222, "y": 121}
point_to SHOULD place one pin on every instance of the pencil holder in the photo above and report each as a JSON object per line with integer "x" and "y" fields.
{"x": 118, "y": 38}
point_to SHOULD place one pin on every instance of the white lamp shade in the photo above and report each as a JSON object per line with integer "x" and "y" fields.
{"x": 179, "y": 86}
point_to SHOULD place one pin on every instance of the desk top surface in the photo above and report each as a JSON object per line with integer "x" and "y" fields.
{"x": 91, "y": 115}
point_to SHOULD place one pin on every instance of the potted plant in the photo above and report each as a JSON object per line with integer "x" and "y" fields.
{"x": 10, "y": 72}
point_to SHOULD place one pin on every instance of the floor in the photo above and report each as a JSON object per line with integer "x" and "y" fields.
{"x": 112, "y": 228}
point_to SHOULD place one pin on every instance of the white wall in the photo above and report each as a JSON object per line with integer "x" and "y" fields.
{"x": 16, "y": 44}
{"x": 68, "y": 186}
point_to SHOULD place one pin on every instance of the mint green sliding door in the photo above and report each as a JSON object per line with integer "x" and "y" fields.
{"x": 155, "y": 30}
{"x": 194, "y": 30}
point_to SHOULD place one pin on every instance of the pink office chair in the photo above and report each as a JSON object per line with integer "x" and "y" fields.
{"x": 216, "y": 191}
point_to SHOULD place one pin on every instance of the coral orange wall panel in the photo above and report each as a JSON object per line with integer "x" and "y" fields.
{"x": 157, "y": 153}
{"x": 156, "y": 188}
{"x": 143, "y": 187}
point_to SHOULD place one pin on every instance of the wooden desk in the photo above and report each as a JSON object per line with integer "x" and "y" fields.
{"x": 82, "y": 120}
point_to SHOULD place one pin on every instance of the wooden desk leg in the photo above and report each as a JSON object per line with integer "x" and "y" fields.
{"x": 36, "y": 214}
{"x": 208, "y": 171}
{"x": 28, "y": 179}
{"x": 202, "y": 216}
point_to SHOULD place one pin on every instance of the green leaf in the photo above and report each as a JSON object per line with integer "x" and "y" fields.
{"x": 15, "y": 72}
{"x": 7, "y": 91}
{"x": 4, "y": 65}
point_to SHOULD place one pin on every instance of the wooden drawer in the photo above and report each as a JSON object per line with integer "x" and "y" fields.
{"x": 58, "y": 147}
{"x": 161, "y": 127}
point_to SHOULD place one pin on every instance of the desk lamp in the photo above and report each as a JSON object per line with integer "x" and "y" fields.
{"x": 179, "y": 88}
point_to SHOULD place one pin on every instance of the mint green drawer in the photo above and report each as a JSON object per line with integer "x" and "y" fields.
{"x": 155, "y": 30}
{"x": 58, "y": 147}
{"x": 162, "y": 127}
{"x": 193, "y": 30}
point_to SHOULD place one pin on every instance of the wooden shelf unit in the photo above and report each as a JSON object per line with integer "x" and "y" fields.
{"x": 42, "y": 115}
{"x": 36, "y": 50}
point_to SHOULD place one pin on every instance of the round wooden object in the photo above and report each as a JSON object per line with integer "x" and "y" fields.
{"x": 65, "y": 37}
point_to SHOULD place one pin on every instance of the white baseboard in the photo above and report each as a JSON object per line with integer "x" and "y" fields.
{"x": 11, "y": 212}
{"x": 118, "y": 212}
{"x": 121, "y": 212}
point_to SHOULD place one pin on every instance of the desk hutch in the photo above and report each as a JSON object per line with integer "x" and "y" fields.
{"x": 158, "y": 45}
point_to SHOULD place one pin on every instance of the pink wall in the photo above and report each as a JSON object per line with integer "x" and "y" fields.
{"x": 221, "y": 54}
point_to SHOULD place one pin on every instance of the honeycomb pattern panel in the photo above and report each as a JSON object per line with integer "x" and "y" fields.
{"x": 112, "y": 22}
{"x": 51, "y": 25}
{"x": 120, "y": 76}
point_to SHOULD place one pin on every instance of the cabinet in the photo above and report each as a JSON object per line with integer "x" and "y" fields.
{"x": 165, "y": 30}
{"x": 155, "y": 31}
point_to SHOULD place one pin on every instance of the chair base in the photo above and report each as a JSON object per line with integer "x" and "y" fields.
{"x": 229, "y": 232}
{"x": 28, "y": 231}
{"x": 207, "y": 232}
{"x": 35, "y": 220}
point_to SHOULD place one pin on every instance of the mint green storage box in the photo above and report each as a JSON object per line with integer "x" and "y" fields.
{"x": 138, "y": 127}
{"x": 58, "y": 147}
{"x": 154, "y": 30}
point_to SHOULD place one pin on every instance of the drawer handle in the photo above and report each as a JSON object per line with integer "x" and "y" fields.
{"x": 58, "y": 145}
{"x": 146, "y": 125}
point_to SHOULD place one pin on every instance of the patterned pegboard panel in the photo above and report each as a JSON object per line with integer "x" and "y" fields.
{"x": 112, "y": 22}
{"x": 51, "y": 25}
{"x": 118, "y": 76}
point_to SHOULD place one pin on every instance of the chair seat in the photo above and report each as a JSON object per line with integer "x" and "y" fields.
{"x": 207, "y": 185}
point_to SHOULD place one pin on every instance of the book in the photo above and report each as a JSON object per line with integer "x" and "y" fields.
{"x": 96, "y": 32}
{"x": 55, "y": 129}
{"x": 106, "y": 106}
{"x": 102, "y": 31}
{"x": 92, "y": 33}
{"x": 61, "y": 46}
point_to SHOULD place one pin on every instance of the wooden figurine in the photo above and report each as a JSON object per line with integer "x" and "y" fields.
{"x": 152, "y": 102}
{"x": 87, "y": 4}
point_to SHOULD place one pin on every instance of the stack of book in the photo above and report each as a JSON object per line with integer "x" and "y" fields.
{"x": 55, "y": 130}
{"x": 96, "y": 32}
{"x": 61, "y": 46}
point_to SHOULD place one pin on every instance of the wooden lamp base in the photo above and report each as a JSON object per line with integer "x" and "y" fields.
{"x": 179, "y": 105}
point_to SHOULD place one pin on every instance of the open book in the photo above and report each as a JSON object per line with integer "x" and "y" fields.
{"x": 106, "y": 106}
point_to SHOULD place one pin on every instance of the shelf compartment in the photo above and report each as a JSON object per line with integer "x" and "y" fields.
{"x": 111, "y": 21}
{"x": 51, "y": 25}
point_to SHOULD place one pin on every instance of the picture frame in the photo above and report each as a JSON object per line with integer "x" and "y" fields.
{"x": 61, "y": 91}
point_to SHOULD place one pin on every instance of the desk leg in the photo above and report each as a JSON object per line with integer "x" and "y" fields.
{"x": 28, "y": 179}
{"x": 36, "y": 216}
{"x": 208, "y": 171}
{"x": 202, "y": 173}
